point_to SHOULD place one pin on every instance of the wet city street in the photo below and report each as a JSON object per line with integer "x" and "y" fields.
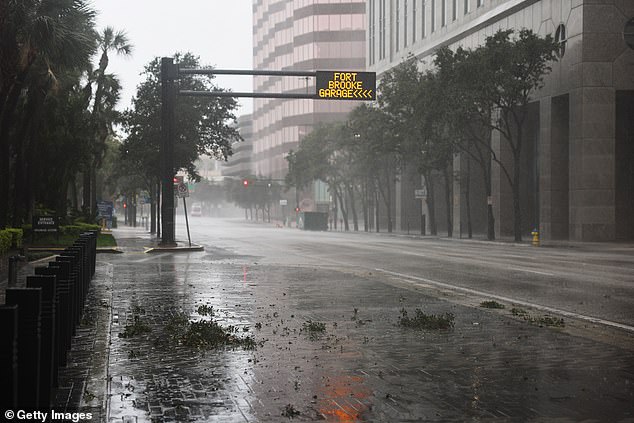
{"x": 316, "y": 322}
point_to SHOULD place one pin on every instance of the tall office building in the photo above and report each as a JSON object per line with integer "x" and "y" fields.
{"x": 300, "y": 35}
{"x": 577, "y": 172}
{"x": 240, "y": 163}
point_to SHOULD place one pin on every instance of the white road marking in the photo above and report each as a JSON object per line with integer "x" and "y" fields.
{"x": 152, "y": 257}
{"x": 570, "y": 314}
{"x": 519, "y": 269}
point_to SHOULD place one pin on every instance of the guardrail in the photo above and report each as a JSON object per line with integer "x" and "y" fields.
{"x": 37, "y": 324}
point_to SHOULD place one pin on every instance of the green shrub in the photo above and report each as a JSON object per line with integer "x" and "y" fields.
{"x": 16, "y": 237}
{"x": 77, "y": 229}
{"x": 5, "y": 241}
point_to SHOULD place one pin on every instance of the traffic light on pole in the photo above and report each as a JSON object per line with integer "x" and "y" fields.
{"x": 245, "y": 183}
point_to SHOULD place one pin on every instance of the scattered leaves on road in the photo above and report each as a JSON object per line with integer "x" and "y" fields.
{"x": 426, "y": 321}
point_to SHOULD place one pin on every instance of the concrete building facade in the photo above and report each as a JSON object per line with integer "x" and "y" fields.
{"x": 240, "y": 164}
{"x": 300, "y": 35}
{"x": 578, "y": 164}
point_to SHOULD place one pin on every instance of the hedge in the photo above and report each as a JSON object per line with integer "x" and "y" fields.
{"x": 16, "y": 237}
{"x": 77, "y": 229}
{"x": 5, "y": 241}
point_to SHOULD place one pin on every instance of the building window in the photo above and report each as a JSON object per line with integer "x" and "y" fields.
{"x": 628, "y": 33}
{"x": 404, "y": 23}
{"x": 382, "y": 29}
{"x": 398, "y": 24}
{"x": 414, "y": 21}
{"x": 466, "y": 6}
{"x": 372, "y": 32}
{"x": 423, "y": 20}
{"x": 454, "y": 10}
{"x": 560, "y": 38}
{"x": 443, "y": 12}
{"x": 433, "y": 15}
{"x": 479, "y": 3}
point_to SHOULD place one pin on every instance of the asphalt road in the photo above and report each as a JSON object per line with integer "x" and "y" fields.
{"x": 592, "y": 283}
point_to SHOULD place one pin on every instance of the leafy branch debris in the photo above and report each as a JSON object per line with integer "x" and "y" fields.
{"x": 426, "y": 321}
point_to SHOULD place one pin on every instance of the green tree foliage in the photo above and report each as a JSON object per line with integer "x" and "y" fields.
{"x": 201, "y": 123}
{"x": 103, "y": 113}
{"x": 376, "y": 155}
{"x": 257, "y": 194}
{"x": 490, "y": 88}
{"x": 44, "y": 47}
{"x": 417, "y": 105}
{"x": 423, "y": 117}
{"x": 202, "y": 128}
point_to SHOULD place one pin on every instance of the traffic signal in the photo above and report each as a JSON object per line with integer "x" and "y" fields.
{"x": 296, "y": 209}
{"x": 125, "y": 205}
{"x": 245, "y": 183}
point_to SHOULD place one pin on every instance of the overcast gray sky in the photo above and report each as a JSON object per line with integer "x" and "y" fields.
{"x": 219, "y": 31}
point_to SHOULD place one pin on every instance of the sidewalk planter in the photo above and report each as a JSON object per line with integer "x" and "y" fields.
{"x": 48, "y": 311}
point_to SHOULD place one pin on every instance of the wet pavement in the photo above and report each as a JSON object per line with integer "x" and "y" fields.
{"x": 492, "y": 366}
{"x": 363, "y": 367}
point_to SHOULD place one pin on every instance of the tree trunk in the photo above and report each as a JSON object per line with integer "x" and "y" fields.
{"x": 376, "y": 211}
{"x": 431, "y": 209}
{"x": 86, "y": 192}
{"x": 448, "y": 203}
{"x": 490, "y": 215}
{"x": 6, "y": 116}
{"x": 73, "y": 192}
{"x": 365, "y": 205}
{"x": 93, "y": 191}
{"x": 342, "y": 207}
{"x": 152, "y": 208}
{"x": 158, "y": 209}
{"x": 467, "y": 194}
{"x": 353, "y": 209}
{"x": 517, "y": 212}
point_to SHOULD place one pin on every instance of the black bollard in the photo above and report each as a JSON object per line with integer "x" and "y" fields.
{"x": 28, "y": 301}
{"x": 9, "y": 357}
{"x": 47, "y": 285}
{"x": 73, "y": 277}
{"x": 13, "y": 270}
{"x": 57, "y": 337}
{"x": 64, "y": 321}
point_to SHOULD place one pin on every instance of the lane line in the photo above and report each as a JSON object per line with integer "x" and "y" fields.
{"x": 570, "y": 314}
{"x": 519, "y": 269}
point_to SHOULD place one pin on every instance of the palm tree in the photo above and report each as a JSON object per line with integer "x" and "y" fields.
{"x": 57, "y": 34}
{"x": 109, "y": 41}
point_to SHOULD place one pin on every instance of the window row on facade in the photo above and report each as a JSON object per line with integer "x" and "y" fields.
{"x": 410, "y": 21}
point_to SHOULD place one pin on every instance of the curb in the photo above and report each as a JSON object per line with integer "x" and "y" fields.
{"x": 109, "y": 250}
{"x": 153, "y": 250}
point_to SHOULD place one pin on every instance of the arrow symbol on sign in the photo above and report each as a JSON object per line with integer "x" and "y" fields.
{"x": 357, "y": 93}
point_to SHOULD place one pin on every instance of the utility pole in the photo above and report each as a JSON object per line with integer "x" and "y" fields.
{"x": 169, "y": 73}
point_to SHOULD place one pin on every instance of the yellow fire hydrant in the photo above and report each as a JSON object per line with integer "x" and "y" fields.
{"x": 535, "y": 234}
